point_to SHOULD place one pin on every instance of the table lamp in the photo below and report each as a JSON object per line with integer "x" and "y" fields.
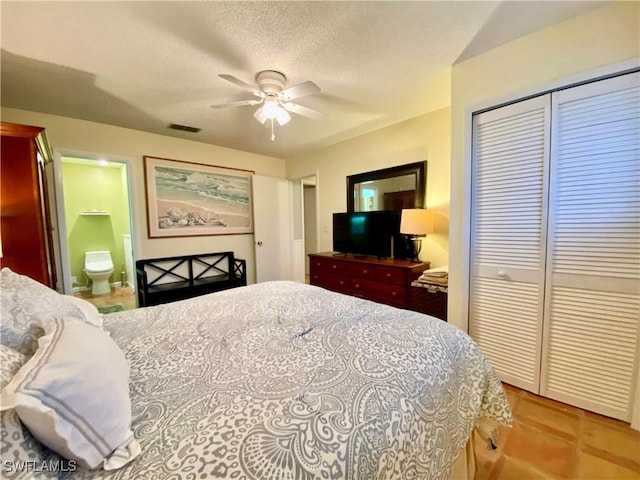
{"x": 415, "y": 223}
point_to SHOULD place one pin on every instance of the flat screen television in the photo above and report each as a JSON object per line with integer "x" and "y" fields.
{"x": 365, "y": 233}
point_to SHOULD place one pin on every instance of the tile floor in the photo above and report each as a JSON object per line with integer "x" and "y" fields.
{"x": 551, "y": 440}
{"x": 123, "y": 295}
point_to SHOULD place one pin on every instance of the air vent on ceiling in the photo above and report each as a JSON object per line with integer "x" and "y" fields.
{"x": 184, "y": 128}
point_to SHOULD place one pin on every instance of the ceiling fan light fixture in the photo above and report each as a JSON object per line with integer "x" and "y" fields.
{"x": 272, "y": 110}
{"x": 260, "y": 116}
{"x": 271, "y": 107}
{"x": 282, "y": 116}
{"x": 275, "y": 98}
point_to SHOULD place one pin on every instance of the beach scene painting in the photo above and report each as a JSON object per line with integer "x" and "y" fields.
{"x": 185, "y": 199}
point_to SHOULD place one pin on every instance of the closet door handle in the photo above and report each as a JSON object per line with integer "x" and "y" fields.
{"x": 502, "y": 274}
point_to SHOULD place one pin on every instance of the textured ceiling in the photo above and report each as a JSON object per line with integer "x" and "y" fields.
{"x": 143, "y": 65}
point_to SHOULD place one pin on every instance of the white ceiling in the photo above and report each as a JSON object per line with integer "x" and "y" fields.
{"x": 143, "y": 65}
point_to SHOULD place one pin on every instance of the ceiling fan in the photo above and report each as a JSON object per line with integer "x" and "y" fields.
{"x": 274, "y": 97}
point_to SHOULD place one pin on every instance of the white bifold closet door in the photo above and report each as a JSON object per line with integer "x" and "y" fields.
{"x": 510, "y": 178}
{"x": 592, "y": 297}
{"x": 555, "y": 253}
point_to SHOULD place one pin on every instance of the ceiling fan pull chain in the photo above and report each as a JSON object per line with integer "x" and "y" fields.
{"x": 273, "y": 135}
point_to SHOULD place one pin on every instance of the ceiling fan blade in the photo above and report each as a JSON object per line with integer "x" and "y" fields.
{"x": 239, "y": 83}
{"x": 304, "y": 111}
{"x": 241, "y": 103}
{"x": 300, "y": 90}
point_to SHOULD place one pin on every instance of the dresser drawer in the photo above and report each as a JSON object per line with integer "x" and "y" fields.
{"x": 390, "y": 275}
{"x": 359, "y": 271}
{"x": 380, "y": 292}
{"x": 317, "y": 264}
{"x": 331, "y": 281}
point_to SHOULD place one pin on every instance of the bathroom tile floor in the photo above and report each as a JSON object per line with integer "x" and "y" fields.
{"x": 552, "y": 440}
{"x": 124, "y": 295}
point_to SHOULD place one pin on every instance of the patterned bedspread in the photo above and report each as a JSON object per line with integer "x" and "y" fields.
{"x": 282, "y": 380}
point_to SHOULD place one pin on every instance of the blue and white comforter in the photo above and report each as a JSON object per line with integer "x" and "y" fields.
{"x": 282, "y": 380}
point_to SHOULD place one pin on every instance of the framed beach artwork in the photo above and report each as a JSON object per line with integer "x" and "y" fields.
{"x": 186, "y": 199}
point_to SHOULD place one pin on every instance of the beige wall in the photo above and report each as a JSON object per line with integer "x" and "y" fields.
{"x": 576, "y": 50}
{"x": 427, "y": 137}
{"x": 71, "y": 136}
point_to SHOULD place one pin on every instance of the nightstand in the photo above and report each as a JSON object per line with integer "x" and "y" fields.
{"x": 429, "y": 299}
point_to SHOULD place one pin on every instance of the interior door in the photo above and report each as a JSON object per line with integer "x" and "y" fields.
{"x": 272, "y": 228}
{"x": 509, "y": 202}
{"x": 593, "y": 265}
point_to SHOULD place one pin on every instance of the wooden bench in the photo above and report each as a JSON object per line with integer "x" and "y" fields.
{"x": 162, "y": 280}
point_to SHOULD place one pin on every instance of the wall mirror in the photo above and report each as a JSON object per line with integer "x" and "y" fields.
{"x": 391, "y": 188}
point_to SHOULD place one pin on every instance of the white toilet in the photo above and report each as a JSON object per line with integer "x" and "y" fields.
{"x": 98, "y": 266}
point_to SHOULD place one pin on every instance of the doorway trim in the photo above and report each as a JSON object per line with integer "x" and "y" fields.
{"x": 301, "y": 177}
{"x": 67, "y": 287}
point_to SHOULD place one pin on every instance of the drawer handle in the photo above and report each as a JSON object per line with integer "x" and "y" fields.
{"x": 333, "y": 266}
{"x": 394, "y": 293}
{"x": 364, "y": 271}
{"x": 357, "y": 285}
{"x": 388, "y": 274}
{"x": 341, "y": 282}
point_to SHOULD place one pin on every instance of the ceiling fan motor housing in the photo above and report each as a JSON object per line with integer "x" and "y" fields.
{"x": 271, "y": 81}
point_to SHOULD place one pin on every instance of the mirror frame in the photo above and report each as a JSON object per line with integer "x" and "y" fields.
{"x": 419, "y": 169}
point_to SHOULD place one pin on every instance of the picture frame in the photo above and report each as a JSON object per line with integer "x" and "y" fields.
{"x": 187, "y": 199}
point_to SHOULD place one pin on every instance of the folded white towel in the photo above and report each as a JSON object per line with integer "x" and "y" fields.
{"x": 444, "y": 268}
{"x": 435, "y": 274}
{"x": 433, "y": 281}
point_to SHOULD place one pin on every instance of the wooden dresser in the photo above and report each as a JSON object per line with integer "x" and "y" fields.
{"x": 381, "y": 280}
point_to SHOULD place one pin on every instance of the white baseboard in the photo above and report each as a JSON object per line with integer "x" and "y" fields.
{"x": 85, "y": 288}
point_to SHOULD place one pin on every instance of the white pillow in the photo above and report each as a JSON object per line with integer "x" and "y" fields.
{"x": 24, "y": 303}
{"x": 73, "y": 395}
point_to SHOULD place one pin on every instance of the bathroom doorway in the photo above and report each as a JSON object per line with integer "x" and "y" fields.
{"x": 93, "y": 202}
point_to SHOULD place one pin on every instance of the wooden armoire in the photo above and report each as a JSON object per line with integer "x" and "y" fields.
{"x": 25, "y": 219}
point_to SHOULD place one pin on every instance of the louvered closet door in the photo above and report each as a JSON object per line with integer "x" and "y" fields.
{"x": 509, "y": 238}
{"x": 593, "y": 277}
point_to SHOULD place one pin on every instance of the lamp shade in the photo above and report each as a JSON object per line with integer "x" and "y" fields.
{"x": 416, "y": 221}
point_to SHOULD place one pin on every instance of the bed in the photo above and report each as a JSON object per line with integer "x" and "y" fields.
{"x": 277, "y": 380}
